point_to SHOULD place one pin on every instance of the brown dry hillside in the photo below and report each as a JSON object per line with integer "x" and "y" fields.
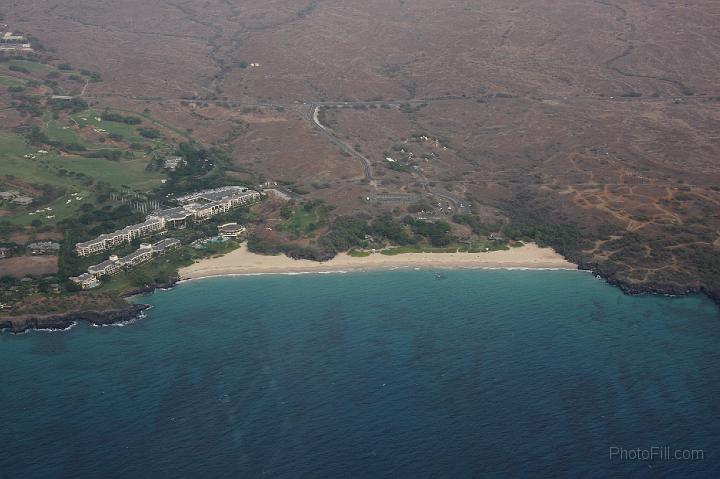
{"x": 593, "y": 124}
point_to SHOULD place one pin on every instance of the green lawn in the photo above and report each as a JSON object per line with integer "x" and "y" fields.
{"x": 129, "y": 173}
{"x": 60, "y": 209}
{"x": 57, "y": 132}
{"x": 27, "y": 64}
{"x": 8, "y": 81}
{"x": 13, "y": 145}
{"x": 45, "y": 169}
{"x": 89, "y": 119}
{"x": 172, "y": 128}
{"x": 305, "y": 221}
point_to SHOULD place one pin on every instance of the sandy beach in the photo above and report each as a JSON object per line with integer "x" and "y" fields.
{"x": 241, "y": 261}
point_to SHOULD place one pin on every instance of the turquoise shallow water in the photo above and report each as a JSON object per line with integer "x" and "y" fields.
{"x": 376, "y": 374}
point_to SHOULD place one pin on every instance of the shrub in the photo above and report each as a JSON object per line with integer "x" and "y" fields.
{"x": 151, "y": 133}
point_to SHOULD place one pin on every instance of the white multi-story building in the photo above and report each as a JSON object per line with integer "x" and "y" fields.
{"x": 198, "y": 206}
{"x": 153, "y": 224}
{"x": 140, "y": 255}
{"x": 106, "y": 268}
{"x": 162, "y": 246}
{"x": 114, "y": 265}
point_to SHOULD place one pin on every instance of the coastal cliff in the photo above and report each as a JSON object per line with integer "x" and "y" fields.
{"x": 22, "y": 323}
{"x": 634, "y": 288}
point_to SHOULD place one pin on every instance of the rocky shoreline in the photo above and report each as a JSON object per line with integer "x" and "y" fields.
{"x": 102, "y": 317}
{"x": 150, "y": 288}
{"x": 60, "y": 321}
{"x": 664, "y": 289}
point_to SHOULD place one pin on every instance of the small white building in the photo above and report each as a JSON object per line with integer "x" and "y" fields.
{"x": 44, "y": 247}
{"x": 8, "y": 195}
{"x": 231, "y": 230}
{"x": 23, "y": 200}
{"x": 86, "y": 281}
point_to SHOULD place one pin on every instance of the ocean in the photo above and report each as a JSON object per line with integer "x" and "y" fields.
{"x": 392, "y": 374}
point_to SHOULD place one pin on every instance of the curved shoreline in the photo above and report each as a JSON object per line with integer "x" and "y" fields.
{"x": 243, "y": 262}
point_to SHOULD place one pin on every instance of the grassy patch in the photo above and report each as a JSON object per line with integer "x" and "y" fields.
{"x": 304, "y": 219}
{"x": 64, "y": 134}
{"x": 92, "y": 119}
{"x": 28, "y": 65}
{"x": 358, "y": 253}
{"x": 8, "y": 81}
{"x": 13, "y": 145}
{"x": 45, "y": 168}
{"x": 62, "y": 171}
{"x": 167, "y": 126}
{"x": 129, "y": 173}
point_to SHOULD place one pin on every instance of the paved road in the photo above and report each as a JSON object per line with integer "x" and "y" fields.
{"x": 367, "y": 168}
{"x": 243, "y": 102}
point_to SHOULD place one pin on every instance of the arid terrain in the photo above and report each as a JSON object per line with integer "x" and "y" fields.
{"x": 590, "y": 125}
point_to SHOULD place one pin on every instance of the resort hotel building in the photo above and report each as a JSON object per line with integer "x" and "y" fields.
{"x": 114, "y": 264}
{"x": 196, "y": 207}
{"x": 152, "y": 224}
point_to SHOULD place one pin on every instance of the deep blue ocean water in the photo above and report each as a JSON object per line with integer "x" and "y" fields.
{"x": 370, "y": 375}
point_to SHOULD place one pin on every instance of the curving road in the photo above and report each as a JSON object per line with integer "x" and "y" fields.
{"x": 367, "y": 168}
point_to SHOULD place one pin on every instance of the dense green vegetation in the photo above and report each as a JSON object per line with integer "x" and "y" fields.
{"x": 151, "y": 133}
{"x": 535, "y": 222}
{"x": 204, "y": 168}
{"x": 72, "y": 105}
{"x": 347, "y": 233}
{"x": 437, "y": 233}
{"x": 118, "y": 118}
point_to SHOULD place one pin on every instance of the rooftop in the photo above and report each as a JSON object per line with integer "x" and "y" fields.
{"x": 96, "y": 268}
{"x": 215, "y": 194}
{"x": 44, "y": 245}
{"x": 83, "y": 277}
{"x": 173, "y": 214}
{"x": 231, "y": 228}
{"x": 165, "y": 244}
{"x": 152, "y": 219}
{"x": 22, "y": 200}
{"x": 135, "y": 254}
